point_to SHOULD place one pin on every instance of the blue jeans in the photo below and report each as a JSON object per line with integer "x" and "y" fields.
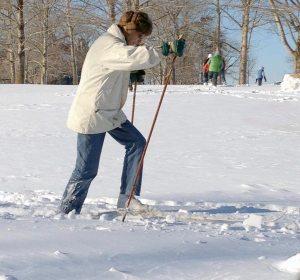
{"x": 259, "y": 81}
{"x": 222, "y": 74}
{"x": 89, "y": 147}
{"x": 213, "y": 76}
{"x": 205, "y": 76}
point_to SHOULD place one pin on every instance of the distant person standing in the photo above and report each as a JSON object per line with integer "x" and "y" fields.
{"x": 222, "y": 72}
{"x": 215, "y": 66}
{"x": 206, "y": 68}
{"x": 260, "y": 76}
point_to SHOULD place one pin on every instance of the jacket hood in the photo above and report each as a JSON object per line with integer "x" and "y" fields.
{"x": 116, "y": 31}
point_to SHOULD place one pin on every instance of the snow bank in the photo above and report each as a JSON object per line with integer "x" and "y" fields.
{"x": 291, "y": 82}
{"x": 291, "y": 265}
{"x": 7, "y": 277}
{"x": 254, "y": 221}
{"x": 230, "y": 154}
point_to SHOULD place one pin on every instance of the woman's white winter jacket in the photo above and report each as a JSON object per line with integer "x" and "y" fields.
{"x": 103, "y": 87}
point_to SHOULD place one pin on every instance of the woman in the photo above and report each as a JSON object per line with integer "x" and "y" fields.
{"x": 97, "y": 107}
{"x": 205, "y": 69}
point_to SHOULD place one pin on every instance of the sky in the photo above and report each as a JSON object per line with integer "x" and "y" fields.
{"x": 269, "y": 51}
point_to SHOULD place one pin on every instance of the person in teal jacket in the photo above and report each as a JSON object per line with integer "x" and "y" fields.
{"x": 215, "y": 66}
{"x": 260, "y": 76}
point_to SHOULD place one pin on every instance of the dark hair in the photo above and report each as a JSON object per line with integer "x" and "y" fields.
{"x": 138, "y": 21}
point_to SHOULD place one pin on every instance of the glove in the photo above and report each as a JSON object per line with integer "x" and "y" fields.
{"x": 137, "y": 76}
{"x": 177, "y": 47}
{"x": 165, "y": 48}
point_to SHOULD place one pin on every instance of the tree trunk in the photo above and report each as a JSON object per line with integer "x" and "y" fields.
{"x": 284, "y": 17}
{"x": 161, "y": 73}
{"x": 112, "y": 11}
{"x": 136, "y": 5}
{"x": 73, "y": 56}
{"x": 45, "y": 46}
{"x": 20, "y": 73}
{"x": 44, "y": 65}
{"x": 127, "y": 5}
{"x": 132, "y": 5}
{"x": 173, "y": 74}
{"x": 72, "y": 44}
{"x": 218, "y": 29}
{"x": 297, "y": 63}
{"x": 297, "y": 54}
{"x": 12, "y": 67}
{"x": 12, "y": 59}
{"x": 244, "y": 45}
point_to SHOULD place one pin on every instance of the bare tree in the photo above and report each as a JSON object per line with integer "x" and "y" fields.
{"x": 244, "y": 42}
{"x": 247, "y": 17}
{"x": 20, "y": 66}
{"x": 7, "y": 41}
{"x": 127, "y": 5}
{"x": 189, "y": 18}
{"x": 58, "y": 34}
{"x": 71, "y": 26}
{"x": 218, "y": 28}
{"x": 111, "y": 11}
{"x": 45, "y": 26}
{"x": 133, "y": 5}
{"x": 10, "y": 50}
{"x": 41, "y": 37}
{"x": 286, "y": 15}
{"x": 14, "y": 12}
{"x": 82, "y": 15}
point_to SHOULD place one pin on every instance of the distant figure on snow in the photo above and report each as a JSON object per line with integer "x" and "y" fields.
{"x": 206, "y": 68}
{"x": 260, "y": 76}
{"x": 215, "y": 66}
{"x": 222, "y": 72}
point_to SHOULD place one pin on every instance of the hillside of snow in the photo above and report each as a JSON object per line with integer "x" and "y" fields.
{"x": 226, "y": 157}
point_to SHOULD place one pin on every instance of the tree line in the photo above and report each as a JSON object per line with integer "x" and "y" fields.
{"x": 45, "y": 41}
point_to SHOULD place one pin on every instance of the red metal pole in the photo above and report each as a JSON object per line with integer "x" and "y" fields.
{"x": 149, "y": 138}
{"x": 133, "y": 102}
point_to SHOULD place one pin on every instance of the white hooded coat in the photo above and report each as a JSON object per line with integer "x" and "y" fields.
{"x": 103, "y": 87}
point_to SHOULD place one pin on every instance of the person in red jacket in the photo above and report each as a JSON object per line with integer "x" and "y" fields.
{"x": 205, "y": 69}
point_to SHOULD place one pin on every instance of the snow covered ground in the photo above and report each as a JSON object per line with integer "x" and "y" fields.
{"x": 224, "y": 153}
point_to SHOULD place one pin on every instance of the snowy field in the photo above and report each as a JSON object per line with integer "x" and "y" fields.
{"x": 229, "y": 154}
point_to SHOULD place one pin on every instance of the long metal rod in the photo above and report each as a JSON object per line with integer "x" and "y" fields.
{"x": 133, "y": 102}
{"x": 148, "y": 140}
